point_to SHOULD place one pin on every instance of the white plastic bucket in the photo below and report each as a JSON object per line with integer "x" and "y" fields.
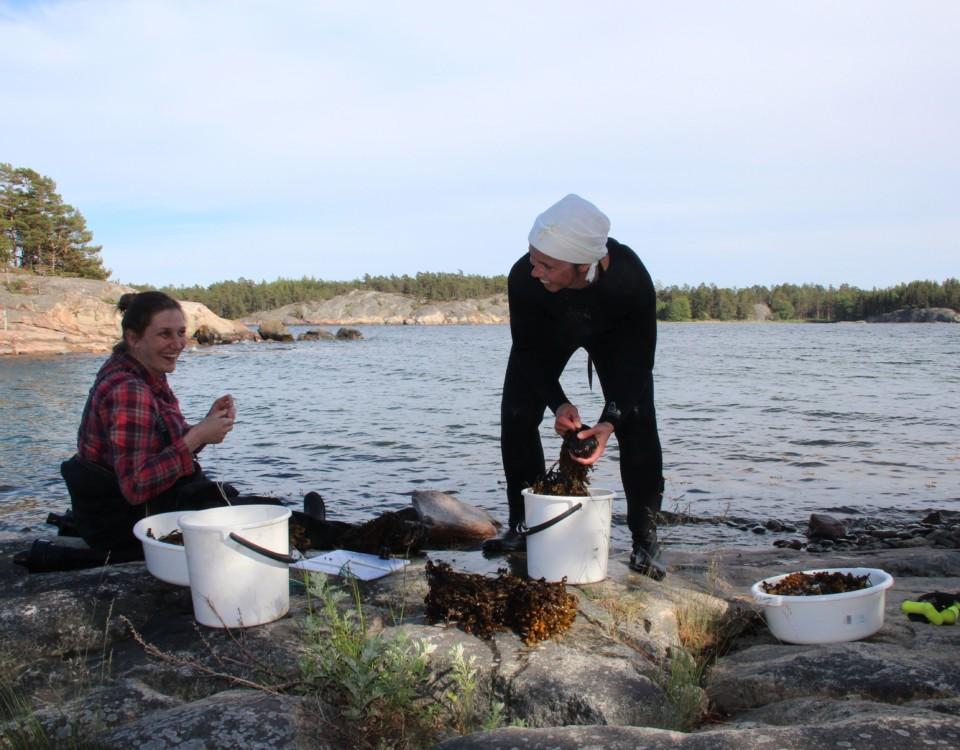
{"x": 231, "y": 585}
{"x": 577, "y": 546}
{"x": 168, "y": 562}
{"x": 828, "y": 618}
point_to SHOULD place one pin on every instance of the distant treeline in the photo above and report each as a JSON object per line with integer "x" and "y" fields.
{"x": 806, "y": 302}
{"x": 236, "y": 299}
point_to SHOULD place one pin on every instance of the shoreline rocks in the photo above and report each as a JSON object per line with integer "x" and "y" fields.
{"x": 42, "y": 315}
{"x": 611, "y": 680}
{"x": 918, "y": 315}
{"x": 358, "y": 307}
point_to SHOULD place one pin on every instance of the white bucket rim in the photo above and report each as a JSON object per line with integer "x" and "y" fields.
{"x": 885, "y": 581}
{"x": 195, "y": 519}
{"x": 595, "y": 494}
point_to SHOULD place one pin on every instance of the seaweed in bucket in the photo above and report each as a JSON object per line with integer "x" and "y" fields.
{"x": 567, "y": 477}
{"x": 817, "y": 584}
{"x": 174, "y": 537}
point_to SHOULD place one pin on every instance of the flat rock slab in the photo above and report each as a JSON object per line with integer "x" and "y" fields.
{"x": 873, "y": 733}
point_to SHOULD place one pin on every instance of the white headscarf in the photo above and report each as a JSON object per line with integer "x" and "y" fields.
{"x": 574, "y": 230}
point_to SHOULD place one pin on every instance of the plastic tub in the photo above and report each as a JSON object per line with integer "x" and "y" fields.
{"x": 828, "y": 618}
{"x": 233, "y": 586}
{"x": 567, "y": 541}
{"x": 168, "y": 562}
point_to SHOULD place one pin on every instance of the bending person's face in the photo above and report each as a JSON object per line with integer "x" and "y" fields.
{"x": 556, "y": 274}
{"x": 160, "y": 345}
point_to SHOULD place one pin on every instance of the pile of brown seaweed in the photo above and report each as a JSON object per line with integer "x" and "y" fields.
{"x": 535, "y": 610}
{"x": 817, "y": 584}
{"x": 567, "y": 477}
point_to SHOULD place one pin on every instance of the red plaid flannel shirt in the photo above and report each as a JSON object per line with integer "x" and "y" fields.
{"x": 121, "y": 429}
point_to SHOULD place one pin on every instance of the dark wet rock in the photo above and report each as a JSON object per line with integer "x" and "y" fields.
{"x": 348, "y": 334}
{"x": 940, "y": 517}
{"x": 824, "y": 527}
{"x": 316, "y": 334}
{"x": 274, "y": 330}
{"x": 207, "y": 335}
{"x": 788, "y": 543}
{"x": 773, "y": 525}
{"x": 758, "y": 530}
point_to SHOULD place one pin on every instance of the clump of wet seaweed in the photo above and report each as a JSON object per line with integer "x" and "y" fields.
{"x": 567, "y": 477}
{"x": 535, "y": 610}
{"x": 817, "y": 584}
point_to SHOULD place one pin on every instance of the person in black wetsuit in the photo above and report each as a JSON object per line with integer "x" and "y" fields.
{"x": 577, "y": 287}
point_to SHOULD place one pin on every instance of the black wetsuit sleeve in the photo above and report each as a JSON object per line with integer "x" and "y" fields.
{"x": 535, "y": 354}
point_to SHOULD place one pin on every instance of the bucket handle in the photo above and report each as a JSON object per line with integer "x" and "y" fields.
{"x": 768, "y": 600}
{"x": 524, "y": 531}
{"x": 277, "y": 556}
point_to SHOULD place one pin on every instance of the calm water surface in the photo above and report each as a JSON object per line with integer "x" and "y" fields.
{"x": 757, "y": 420}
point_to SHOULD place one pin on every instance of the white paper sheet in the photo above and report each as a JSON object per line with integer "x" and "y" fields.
{"x": 344, "y": 562}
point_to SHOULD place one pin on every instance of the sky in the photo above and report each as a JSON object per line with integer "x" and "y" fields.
{"x": 731, "y": 143}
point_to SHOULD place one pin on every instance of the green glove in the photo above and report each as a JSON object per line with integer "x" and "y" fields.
{"x": 933, "y": 608}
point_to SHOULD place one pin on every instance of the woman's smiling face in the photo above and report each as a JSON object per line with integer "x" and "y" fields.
{"x": 159, "y": 347}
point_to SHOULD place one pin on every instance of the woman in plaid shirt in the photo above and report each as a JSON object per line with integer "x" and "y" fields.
{"x": 135, "y": 450}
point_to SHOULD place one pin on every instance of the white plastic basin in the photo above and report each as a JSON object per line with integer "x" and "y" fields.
{"x": 828, "y": 618}
{"x": 168, "y": 562}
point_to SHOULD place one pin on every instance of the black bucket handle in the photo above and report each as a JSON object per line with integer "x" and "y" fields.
{"x": 279, "y": 557}
{"x": 524, "y": 531}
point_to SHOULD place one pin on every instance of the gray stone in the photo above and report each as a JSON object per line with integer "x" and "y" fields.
{"x": 316, "y": 334}
{"x": 230, "y": 719}
{"x": 348, "y": 334}
{"x": 274, "y": 330}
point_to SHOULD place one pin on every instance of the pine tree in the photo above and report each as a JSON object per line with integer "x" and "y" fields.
{"x": 41, "y": 233}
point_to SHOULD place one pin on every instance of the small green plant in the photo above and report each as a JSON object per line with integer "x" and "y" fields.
{"x": 383, "y": 685}
{"x": 376, "y": 682}
{"x": 462, "y": 696}
{"x": 682, "y": 686}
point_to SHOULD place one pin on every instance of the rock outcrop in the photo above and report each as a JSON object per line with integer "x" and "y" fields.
{"x": 613, "y": 680}
{"x": 53, "y": 315}
{"x": 918, "y": 315}
{"x": 373, "y": 308}
{"x": 274, "y": 330}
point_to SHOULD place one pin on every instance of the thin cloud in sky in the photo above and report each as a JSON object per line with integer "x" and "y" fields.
{"x": 730, "y": 143}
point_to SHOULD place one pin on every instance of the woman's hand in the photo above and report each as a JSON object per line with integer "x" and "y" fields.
{"x": 567, "y": 418}
{"x": 214, "y": 427}
{"x": 602, "y": 432}
{"x": 225, "y": 402}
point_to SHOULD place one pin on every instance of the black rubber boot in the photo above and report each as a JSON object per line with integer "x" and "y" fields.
{"x": 314, "y": 506}
{"x": 645, "y": 558}
{"x": 510, "y": 541}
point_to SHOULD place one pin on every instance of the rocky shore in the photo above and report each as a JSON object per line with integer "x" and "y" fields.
{"x": 381, "y": 308}
{"x": 51, "y": 315}
{"x": 683, "y": 663}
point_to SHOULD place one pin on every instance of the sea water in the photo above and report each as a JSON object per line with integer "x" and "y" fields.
{"x": 757, "y": 421}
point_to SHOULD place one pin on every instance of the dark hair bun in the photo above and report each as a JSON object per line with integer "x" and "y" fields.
{"x": 123, "y": 304}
